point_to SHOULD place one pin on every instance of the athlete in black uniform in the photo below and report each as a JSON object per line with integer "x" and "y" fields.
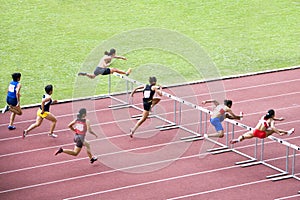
{"x": 148, "y": 102}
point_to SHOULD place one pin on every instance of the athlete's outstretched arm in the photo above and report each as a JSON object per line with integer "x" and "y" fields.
{"x": 211, "y": 101}
{"x": 135, "y": 89}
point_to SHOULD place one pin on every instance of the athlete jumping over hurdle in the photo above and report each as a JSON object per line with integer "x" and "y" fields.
{"x": 264, "y": 128}
{"x": 148, "y": 100}
{"x": 219, "y": 113}
{"x": 103, "y": 69}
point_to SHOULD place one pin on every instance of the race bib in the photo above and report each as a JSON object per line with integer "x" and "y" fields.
{"x": 11, "y": 88}
{"x": 79, "y": 127}
{"x": 147, "y": 94}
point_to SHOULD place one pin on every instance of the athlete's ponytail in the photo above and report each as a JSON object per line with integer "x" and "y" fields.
{"x": 82, "y": 112}
{"x": 270, "y": 114}
{"x": 152, "y": 80}
{"x": 111, "y": 52}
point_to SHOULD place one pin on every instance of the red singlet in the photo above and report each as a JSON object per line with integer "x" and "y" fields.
{"x": 80, "y": 127}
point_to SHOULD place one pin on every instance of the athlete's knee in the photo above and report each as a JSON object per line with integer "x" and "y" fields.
{"x": 221, "y": 135}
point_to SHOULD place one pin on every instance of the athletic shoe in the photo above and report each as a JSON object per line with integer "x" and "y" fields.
{"x": 93, "y": 160}
{"x": 290, "y": 132}
{"x": 24, "y": 134}
{"x": 11, "y": 127}
{"x": 82, "y": 74}
{"x": 53, "y": 135}
{"x": 234, "y": 141}
{"x": 60, "y": 150}
{"x": 5, "y": 109}
{"x": 131, "y": 133}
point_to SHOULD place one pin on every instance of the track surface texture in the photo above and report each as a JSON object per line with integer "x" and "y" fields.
{"x": 154, "y": 164}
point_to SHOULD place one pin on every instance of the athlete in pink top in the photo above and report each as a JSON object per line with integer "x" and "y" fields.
{"x": 264, "y": 128}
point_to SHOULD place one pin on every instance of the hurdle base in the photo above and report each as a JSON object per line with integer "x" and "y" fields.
{"x": 167, "y": 126}
{"x": 252, "y": 164}
{"x": 225, "y": 150}
{"x": 278, "y": 176}
{"x": 216, "y": 149}
{"x": 192, "y": 139}
{"x": 138, "y": 117}
{"x": 119, "y": 106}
{"x": 245, "y": 162}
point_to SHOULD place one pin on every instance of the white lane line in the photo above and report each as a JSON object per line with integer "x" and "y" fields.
{"x": 150, "y": 182}
{"x": 165, "y": 100}
{"x": 220, "y": 189}
{"x": 122, "y": 169}
{"x": 96, "y": 174}
{"x": 288, "y": 197}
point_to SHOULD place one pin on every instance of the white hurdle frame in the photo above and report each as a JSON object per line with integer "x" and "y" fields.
{"x": 253, "y": 160}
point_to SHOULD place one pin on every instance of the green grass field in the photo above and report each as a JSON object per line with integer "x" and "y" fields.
{"x": 48, "y": 41}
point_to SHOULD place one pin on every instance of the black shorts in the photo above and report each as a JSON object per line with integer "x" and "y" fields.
{"x": 147, "y": 105}
{"x": 79, "y": 139}
{"x": 11, "y": 101}
{"x": 102, "y": 71}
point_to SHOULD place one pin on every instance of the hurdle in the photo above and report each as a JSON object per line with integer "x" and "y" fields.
{"x": 127, "y": 104}
{"x": 252, "y": 160}
{"x": 176, "y": 120}
{"x": 177, "y": 110}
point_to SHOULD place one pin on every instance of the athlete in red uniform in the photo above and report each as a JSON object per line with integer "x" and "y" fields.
{"x": 264, "y": 128}
{"x": 80, "y": 126}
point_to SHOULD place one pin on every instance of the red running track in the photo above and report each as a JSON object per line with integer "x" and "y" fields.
{"x": 155, "y": 164}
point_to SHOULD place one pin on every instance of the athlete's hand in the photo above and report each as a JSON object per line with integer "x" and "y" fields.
{"x": 55, "y": 101}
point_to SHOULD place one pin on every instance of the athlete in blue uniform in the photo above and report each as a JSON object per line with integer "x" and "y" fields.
{"x": 148, "y": 101}
{"x": 44, "y": 112}
{"x": 13, "y": 99}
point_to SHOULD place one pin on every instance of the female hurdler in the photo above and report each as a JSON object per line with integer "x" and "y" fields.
{"x": 103, "y": 66}
{"x": 264, "y": 128}
{"x": 148, "y": 101}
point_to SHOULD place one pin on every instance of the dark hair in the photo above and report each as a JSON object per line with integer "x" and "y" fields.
{"x": 48, "y": 89}
{"x": 82, "y": 112}
{"x": 270, "y": 114}
{"x": 111, "y": 52}
{"x": 228, "y": 102}
{"x": 152, "y": 79}
{"x": 16, "y": 76}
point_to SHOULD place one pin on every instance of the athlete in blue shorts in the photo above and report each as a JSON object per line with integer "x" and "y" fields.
{"x": 13, "y": 99}
{"x": 218, "y": 115}
{"x": 148, "y": 100}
